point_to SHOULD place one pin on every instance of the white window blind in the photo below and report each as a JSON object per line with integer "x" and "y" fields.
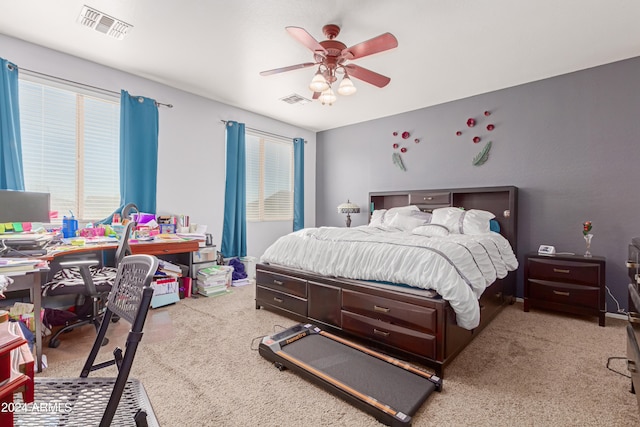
{"x": 70, "y": 148}
{"x": 269, "y": 163}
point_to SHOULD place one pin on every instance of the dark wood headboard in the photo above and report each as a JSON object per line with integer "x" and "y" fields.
{"x": 501, "y": 201}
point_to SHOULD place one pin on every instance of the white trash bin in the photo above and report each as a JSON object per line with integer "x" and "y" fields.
{"x": 249, "y": 266}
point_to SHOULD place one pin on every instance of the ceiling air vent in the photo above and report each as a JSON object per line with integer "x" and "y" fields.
{"x": 103, "y": 23}
{"x": 295, "y": 99}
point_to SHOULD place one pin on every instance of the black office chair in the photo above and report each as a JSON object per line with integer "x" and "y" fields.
{"x": 83, "y": 276}
{"x": 92, "y": 401}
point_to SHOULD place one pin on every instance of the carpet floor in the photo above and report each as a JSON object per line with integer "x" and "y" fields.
{"x": 525, "y": 369}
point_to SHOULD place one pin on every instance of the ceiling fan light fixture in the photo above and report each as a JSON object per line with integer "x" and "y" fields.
{"x": 328, "y": 97}
{"x": 346, "y": 87}
{"x": 318, "y": 83}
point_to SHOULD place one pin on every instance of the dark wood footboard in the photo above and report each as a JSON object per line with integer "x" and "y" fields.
{"x": 413, "y": 324}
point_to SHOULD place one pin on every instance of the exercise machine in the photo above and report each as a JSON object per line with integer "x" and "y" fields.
{"x": 387, "y": 388}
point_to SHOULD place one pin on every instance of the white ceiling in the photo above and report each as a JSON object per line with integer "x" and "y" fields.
{"x": 447, "y": 49}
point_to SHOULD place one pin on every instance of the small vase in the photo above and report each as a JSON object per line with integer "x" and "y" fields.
{"x": 587, "y": 239}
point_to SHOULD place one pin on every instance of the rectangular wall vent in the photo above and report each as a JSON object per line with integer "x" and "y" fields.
{"x": 295, "y": 99}
{"x": 103, "y": 23}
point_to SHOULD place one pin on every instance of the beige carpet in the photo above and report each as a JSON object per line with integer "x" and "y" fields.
{"x": 525, "y": 369}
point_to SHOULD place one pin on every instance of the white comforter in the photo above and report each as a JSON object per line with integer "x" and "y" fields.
{"x": 459, "y": 267}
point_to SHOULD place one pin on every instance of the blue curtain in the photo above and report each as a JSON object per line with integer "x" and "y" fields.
{"x": 298, "y": 184}
{"x": 234, "y": 229}
{"x": 11, "y": 172}
{"x": 138, "y": 152}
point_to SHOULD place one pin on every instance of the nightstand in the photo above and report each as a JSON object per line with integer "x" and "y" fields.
{"x": 568, "y": 283}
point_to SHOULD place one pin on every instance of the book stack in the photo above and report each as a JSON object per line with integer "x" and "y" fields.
{"x": 214, "y": 280}
{"x": 8, "y": 265}
{"x": 240, "y": 282}
{"x": 168, "y": 269}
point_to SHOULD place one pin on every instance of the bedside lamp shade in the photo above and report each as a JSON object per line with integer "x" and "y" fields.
{"x": 348, "y": 208}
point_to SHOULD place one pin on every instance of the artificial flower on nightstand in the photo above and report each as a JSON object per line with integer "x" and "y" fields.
{"x": 586, "y": 231}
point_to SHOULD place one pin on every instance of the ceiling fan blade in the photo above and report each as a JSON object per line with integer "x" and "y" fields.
{"x": 367, "y": 75}
{"x": 289, "y": 68}
{"x": 381, "y": 43}
{"x": 306, "y": 39}
{"x": 316, "y": 95}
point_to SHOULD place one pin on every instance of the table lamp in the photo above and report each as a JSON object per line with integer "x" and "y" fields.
{"x": 348, "y": 208}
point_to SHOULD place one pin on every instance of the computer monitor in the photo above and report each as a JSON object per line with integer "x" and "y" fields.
{"x": 24, "y": 206}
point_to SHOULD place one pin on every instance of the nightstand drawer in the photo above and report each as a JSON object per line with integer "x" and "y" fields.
{"x": 564, "y": 271}
{"x": 564, "y": 293}
{"x": 284, "y": 301}
{"x": 282, "y": 283}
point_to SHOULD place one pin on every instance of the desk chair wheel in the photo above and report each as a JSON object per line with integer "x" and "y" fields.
{"x": 54, "y": 343}
{"x": 115, "y": 318}
{"x": 141, "y": 418}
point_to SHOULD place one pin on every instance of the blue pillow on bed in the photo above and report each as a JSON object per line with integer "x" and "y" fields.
{"x": 494, "y": 225}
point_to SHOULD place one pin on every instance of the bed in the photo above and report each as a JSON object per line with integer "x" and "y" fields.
{"x": 401, "y": 285}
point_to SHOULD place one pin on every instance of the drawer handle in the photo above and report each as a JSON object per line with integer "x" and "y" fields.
{"x": 631, "y": 366}
{"x": 560, "y": 270}
{"x": 381, "y": 333}
{"x": 564, "y": 294}
{"x": 428, "y": 198}
{"x": 278, "y": 282}
{"x": 631, "y": 264}
{"x": 381, "y": 309}
{"x": 278, "y": 300}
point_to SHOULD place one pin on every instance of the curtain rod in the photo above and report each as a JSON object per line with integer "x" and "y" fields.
{"x": 264, "y": 132}
{"x": 83, "y": 84}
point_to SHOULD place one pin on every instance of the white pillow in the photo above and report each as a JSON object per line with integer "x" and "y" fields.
{"x": 405, "y": 223}
{"x": 399, "y": 211}
{"x": 402, "y": 210}
{"x": 431, "y": 230}
{"x": 377, "y": 218}
{"x": 459, "y": 221}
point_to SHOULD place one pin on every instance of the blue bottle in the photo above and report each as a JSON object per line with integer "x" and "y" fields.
{"x": 69, "y": 227}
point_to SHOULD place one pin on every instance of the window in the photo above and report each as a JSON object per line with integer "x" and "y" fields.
{"x": 70, "y": 147}
{"x": 269, "y": 177}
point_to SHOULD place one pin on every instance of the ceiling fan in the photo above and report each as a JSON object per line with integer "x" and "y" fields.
{"x": 332, "y": 58}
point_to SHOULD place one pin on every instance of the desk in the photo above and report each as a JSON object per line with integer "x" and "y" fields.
{"x": 31, "y": 280}
{"x": 149, "y": 248}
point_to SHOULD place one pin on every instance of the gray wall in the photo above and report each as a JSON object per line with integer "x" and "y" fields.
{"x": 191, "y": 141}
{"x": 569, "y": 143}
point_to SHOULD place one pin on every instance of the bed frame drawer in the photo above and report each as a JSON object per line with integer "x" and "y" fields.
{"x": 281, "y": 300}
{"x": 388, "y": 310}
{"x": 405, "y": 339}
{"x": 564, "y": 271}
{"x": 282, "y": 283}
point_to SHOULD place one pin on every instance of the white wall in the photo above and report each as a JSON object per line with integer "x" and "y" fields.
{"x": 191, "y": 164}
